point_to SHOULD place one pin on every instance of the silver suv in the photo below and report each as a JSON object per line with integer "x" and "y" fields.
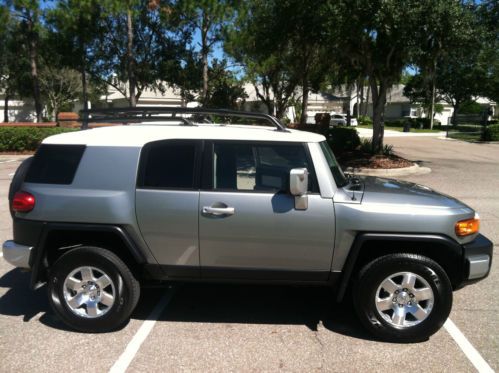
{"x": 178, "y": 196}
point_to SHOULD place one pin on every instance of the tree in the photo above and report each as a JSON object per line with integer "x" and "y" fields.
{"x": 206, "y": 18}
{"x": 151, "y": 57}
{"x": 225, "y": 90}
{"x": 28, "y": 12}
{"x": 256, "y": 41}
{"x": 377, "y": 38}
{"x": 460, "y": 76}
{"x": 59, "y": 87}
{"x": 448, "y": 25}
{"x": 308, "y": 64}
{"x": 76, "y": 27}
{"x": 488, "y": 15}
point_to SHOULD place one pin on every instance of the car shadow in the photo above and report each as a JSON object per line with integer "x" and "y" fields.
{"x": 207, "y": 303}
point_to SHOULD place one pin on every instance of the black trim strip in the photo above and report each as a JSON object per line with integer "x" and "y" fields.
{"x": 402, "y": 237}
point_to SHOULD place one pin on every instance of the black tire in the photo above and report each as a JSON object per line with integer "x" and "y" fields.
{"x": 370, "y": 278}
{"x": 18, "y": 180}
{"x": 125, "y": 287}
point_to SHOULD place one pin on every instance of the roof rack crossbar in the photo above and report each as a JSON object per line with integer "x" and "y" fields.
{"x": 145, "y": 114}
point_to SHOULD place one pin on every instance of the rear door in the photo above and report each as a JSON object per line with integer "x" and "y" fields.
{"x": 249, "y": 228}
{"x": 167, "y": 204}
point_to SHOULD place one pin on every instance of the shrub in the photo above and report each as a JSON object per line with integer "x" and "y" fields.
{"x": 491, "y": 133}
{"x": 343, "y": 139}
{"x": 364, "y": 120}
{"x": 366, "y": 146}
{"x": 395, "y": 123}
{"x": 19, "y": 139}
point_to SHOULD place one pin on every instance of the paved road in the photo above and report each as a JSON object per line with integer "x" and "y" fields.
{"x": 251, "y": 328}
{"x": 368, "y": 133}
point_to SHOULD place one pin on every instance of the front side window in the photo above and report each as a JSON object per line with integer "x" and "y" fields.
{"x": 258, "y": 166}
{"x": 168, "y": 165}
{"x": 338, "y": 175}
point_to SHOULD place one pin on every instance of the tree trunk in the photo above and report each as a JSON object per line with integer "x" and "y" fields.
{"x": 360, "y": 108}
{"x": 454, "y": 113}
{"x": 6, "y": 108}
{"x": 433, "y": 89}
{"x": 131, "y": 62}
{"x": 304, "y": 103}
{"x": 367, "y": 100}
{"x": 204, "y": 55}
{"x": 379, "y": 100}
{"x": 33, "y": 56}
{"x": 84, "y": 123}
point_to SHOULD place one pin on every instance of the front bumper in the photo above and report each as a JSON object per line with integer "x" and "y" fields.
{"x": 478, "y": 258}
{"x": 17, "y": 255}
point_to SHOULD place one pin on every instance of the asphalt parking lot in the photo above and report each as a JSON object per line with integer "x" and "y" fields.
{"x": 217, "y": 328}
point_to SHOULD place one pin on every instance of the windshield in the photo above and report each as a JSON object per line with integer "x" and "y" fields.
{"x": 339, "y": 176}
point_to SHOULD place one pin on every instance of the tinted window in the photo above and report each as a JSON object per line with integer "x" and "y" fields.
{"x": 257, "y": 167}
{"x": 55, "y": 164}
{"x": 169, "y": 164}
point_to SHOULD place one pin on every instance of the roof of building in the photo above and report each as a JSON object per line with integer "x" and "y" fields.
{"x": 139, "y": 135}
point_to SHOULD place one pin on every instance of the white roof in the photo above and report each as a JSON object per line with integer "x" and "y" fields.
{"x": 138, "y": 135}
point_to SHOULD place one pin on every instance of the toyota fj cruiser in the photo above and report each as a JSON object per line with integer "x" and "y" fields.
{"x": 177, "y": 197}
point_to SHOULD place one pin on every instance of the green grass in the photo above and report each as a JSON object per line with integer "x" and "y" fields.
{"x": 465, "y": 136}
{"x": 401, "y": 129}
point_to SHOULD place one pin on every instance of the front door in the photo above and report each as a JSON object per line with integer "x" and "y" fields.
{"x": 248, "y": 226}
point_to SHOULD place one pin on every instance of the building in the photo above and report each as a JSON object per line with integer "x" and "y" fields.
{"x": 339, "y": 100}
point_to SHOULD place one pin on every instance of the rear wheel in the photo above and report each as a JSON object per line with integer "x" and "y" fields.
{"x": 403, "y": 297}
{"x": 92, "y": 290}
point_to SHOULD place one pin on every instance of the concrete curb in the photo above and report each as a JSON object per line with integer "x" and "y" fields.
{"x": 389, "y": 172}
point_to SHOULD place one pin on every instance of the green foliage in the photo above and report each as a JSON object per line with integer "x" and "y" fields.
{"x": 491, "y": 133}
{"x": 20, "y": 139}
{"x": 364, "y": 120}
{"x": 421, "y": 123}
{"x": 366, "y": 146}
{"x": 224, "y": 89}
{"x": 471, "y": 107}
{"x": 343, "y": 139}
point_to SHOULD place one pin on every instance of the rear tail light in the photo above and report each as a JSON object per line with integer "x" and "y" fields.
{"x": 23, "y": 202}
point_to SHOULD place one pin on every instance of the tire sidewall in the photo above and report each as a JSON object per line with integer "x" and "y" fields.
{"x": 119, "y": 311}
{"x": 431, "y": 272}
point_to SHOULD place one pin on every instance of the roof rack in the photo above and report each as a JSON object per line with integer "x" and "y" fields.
{"x": 158, "y": 113}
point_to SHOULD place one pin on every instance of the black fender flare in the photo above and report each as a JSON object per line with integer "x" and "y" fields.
{"x": 37, "y": 256}
{"x": 364, "y": 237}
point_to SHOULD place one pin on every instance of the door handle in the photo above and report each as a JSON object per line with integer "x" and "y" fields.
{"x": 218, "y": 211}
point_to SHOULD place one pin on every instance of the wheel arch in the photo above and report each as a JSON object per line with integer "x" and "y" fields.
{"x": 368, "y": 246}
{"x": 58, "y": 238}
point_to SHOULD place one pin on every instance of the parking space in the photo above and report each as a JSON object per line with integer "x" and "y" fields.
{"x": 193, "y": 327}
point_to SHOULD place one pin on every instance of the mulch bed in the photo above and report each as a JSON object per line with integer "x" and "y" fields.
{"x": 357, "y": 159}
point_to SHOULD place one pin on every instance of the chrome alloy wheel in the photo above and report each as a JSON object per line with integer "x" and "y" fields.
{"x": 404, "y": 299}
{"x": 89, "y": 292}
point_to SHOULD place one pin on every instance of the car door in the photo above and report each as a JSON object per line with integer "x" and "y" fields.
{"x": 248, "y": 226}
{"x": 167, "y": 204}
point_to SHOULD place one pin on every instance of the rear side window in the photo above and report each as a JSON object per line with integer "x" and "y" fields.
{"x": 55, "y": 164}
{"x": 168, "y": 165}
{"x": 264, "y": 167}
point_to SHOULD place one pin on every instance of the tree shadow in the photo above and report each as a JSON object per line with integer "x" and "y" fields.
{"x": 207, "y": 303}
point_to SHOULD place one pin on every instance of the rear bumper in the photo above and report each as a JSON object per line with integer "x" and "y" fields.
{"x": 478, "y": 258}
{"x": 16, "y": 254}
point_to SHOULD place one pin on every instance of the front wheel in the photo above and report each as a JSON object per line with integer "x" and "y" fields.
{"x": 403, "y": 297}
{"x": 92, "y": 290}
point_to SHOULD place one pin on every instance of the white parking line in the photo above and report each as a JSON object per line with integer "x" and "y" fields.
{"x": 12, "y": 174}
{"x": 471, "y": 353}
{"x": 133, "y": 346}
{"x": 9, "y": 161}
